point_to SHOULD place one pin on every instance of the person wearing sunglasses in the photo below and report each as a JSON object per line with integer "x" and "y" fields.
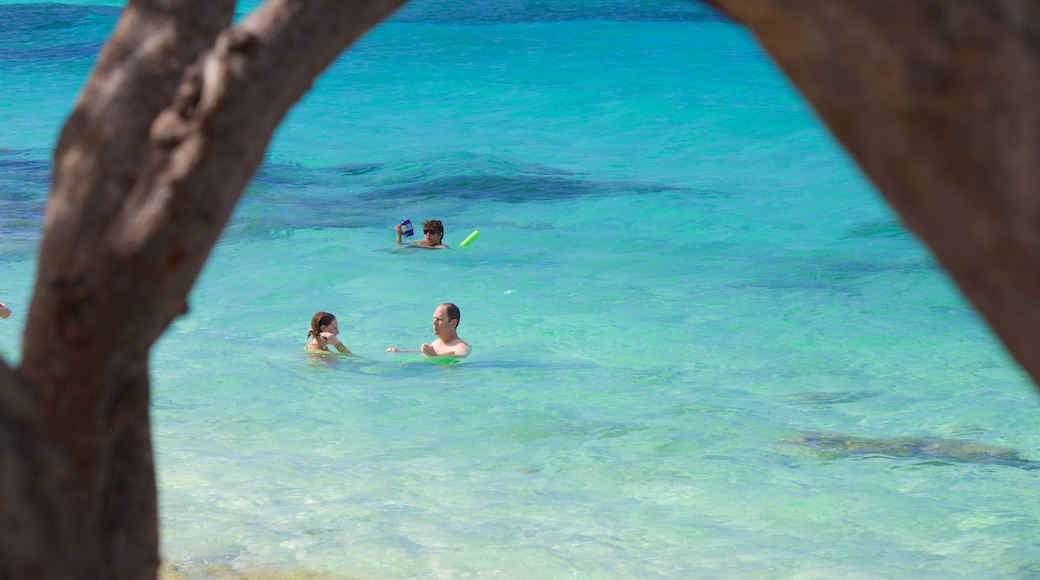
{"x": 433, "y": 230}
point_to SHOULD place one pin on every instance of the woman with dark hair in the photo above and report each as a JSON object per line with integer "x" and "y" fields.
{"x": 324, "y": 328}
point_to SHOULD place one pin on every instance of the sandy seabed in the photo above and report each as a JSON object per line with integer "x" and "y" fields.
{"x": 171, "y": 571}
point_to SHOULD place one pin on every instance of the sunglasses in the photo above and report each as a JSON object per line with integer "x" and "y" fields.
{"x": 430, "y": 232}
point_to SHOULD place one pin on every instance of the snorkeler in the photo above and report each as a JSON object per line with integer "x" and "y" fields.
{"x": 434, "y": 232}
{"x": 324, "y": 328}
{"x": 445, "y": 323}
{"x": 4, "y": 310}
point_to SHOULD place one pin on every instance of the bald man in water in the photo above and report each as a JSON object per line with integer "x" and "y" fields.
{"x": 445, "y": 324}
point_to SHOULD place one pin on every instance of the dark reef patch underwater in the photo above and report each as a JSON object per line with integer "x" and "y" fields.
{"x": 932, "y": 450}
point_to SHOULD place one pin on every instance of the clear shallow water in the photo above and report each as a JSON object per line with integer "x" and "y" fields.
{"x": 680, "y": 282}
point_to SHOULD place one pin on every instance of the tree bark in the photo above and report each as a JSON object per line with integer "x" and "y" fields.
{"x": 169, "y": 129}
{"x": 939, "y": 103}
{"x": 38, "y": 507}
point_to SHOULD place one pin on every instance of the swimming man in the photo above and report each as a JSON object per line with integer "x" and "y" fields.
{"x": 445, "y": 324}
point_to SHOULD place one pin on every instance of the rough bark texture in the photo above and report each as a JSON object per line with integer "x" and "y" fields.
{"x": 169, "y": 129}
{"x": 939, "y": 103}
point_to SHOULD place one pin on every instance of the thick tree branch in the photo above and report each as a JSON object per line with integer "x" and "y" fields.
{"x": 39, "y": 509}
{"x": 147, "y": 171}
{"x": 939, "y": 102}
{"x": 85, "y": 304}
{"x": 91, "y": 383}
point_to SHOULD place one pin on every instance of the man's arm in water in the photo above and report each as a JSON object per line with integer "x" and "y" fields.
{"x": 458, "y": 350}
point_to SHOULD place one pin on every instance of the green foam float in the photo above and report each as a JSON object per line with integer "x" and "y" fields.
{"x": 469, "y": 239}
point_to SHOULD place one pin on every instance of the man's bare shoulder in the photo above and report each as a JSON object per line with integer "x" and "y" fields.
{"x": 460, "y": 346}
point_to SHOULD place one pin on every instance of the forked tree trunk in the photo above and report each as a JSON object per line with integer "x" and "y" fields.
{"x": 937, "y": 100}
{"x": 169, "y": 129}
{"x": 939, "y": 103}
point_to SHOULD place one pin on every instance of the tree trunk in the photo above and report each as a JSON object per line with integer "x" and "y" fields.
{"x": 939, "y": 103}
{"x": 169, "y": 129}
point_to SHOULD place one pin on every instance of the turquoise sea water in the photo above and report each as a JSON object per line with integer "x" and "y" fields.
{"x": 702, "y": 344}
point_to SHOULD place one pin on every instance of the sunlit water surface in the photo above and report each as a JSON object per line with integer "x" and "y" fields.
{"x": 702, "y": 344}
